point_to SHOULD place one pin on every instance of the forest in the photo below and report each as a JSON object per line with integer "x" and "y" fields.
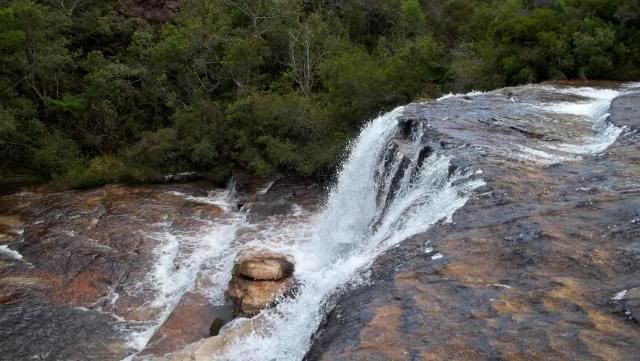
{"x": 93, "y": 92}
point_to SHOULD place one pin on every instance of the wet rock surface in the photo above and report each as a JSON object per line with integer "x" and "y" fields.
{"x": 80, "y": 270}
{"x": 203, "y": 350}
{"x": 190, "y": 321}
{"x": 253, "y": 296}
{"x": 531, "y": 268}
{"x": 260, "y": 279}
{"x": 65, "y": 297}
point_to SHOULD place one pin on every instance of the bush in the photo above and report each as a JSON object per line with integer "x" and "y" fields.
{"x": 103, "y": 170}
{"x": 271, "y": 132}
{"x": 355, "y": 85}
{"x": 55, "y": 156}
{"x": 158, "y": 150}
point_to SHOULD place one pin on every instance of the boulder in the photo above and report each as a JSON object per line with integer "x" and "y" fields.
{"x": 263, "y": 266}
{"x": 260, "y": 278}
{"x": 250, "y": 297}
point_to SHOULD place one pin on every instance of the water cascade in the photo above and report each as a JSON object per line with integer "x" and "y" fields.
{"x": 390, "y": 188}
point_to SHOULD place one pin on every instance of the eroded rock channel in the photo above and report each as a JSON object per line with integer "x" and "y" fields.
{"x": 487, "y": 226}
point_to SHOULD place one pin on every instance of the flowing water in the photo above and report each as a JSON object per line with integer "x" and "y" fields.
{"x": 372, "y": 207}
{"x": 391, "y": 186}
{"x": 182, "y": 259}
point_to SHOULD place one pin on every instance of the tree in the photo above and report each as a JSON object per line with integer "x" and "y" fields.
{"x": 34, "y": 55}
{"x": 308, "y": 46}
{"x": 68, "y": 7}
{"x": 258, "y": 12}
{"x": 242, "y": 59}
{"x": 355, "y": 85}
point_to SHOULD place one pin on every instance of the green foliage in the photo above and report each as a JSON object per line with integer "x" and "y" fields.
{"x": 242, "y": 58}
{"x": 105, "y": 169}
{"x": 271, "y": 131}
{"x": 55, "y": 156}
{"x": 354, "y": 83}
{"x": 576, "y": 39}
{"x": 595, "y": 51}
{"x": 11, "y": 144}
{"x": 90, "y": 96}
{"x": 157, "y": 150}
{"x": 33, "y": 53}
{"x": 411, "y": 19}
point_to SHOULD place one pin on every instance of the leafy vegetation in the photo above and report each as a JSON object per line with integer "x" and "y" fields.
{"x": 91, "y": 93}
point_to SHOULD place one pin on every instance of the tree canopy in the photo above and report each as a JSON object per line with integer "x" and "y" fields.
{"x": 91, "y": 93}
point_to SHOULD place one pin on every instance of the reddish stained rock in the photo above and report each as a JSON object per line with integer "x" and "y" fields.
{"x": 189, "y": 322}
{"x": 384, "y": 339}
{"x": 81, "y": 251}
{"x": 7, "y": 296}
{"x": 9, "y": 224}
{"x": 202, "y": 211}
{"x": 84, "y": 288}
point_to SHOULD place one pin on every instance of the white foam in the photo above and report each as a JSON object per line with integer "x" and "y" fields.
{"x": 502, "y": 286}
{"x": 458, "y": 95}
{"x": 217, "y": 197}
{"x": 540, "y": 156}
{"x": 595, "y": 110}
{"x": 619, "y": 296}
{"x": 5, "y": 250}
{"x": 180, "y": 257}
{"x": 633, "y": 86}
{"x": 593, "y": 145}
{"x": 266, "y": 188}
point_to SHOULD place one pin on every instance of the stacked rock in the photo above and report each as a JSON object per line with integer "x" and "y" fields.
{"x": 260, "y": 278}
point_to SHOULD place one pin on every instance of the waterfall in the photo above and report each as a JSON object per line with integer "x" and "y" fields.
{"x": 391, "y": 186}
